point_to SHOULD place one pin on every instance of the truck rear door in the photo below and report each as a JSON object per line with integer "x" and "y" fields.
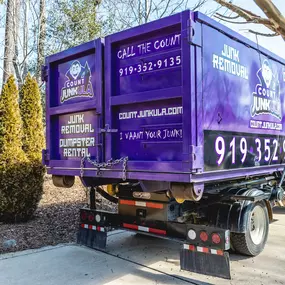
{"x": 73, "y": 107}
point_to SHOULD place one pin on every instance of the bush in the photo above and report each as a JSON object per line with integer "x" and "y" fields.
{"x": 21, "y": 179}
{"x": 20, "y": 192}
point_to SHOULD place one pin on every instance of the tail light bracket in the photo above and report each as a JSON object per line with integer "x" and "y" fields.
{"x": 198, "y": 229}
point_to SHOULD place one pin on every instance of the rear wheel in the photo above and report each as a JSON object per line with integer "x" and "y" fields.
{"x": 252, "y": 242}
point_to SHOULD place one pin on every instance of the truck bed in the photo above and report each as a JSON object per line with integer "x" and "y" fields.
{"x": 181, "y": 99}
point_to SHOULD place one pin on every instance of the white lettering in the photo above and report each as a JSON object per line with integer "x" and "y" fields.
{"x": 126, "y": 52}
{"x": 229, "y": 66}
{"x": 215, "y": 61}
{"x": 171, "y": 111}
{"x": 77, "y": 142}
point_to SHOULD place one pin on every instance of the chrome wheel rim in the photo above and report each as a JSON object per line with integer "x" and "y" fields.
{"x": 257, "y": 224}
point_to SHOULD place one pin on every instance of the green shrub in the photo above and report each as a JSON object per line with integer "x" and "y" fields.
{"x": 33, "y": 137}
{"x": 11, "y": 151}
{"x": 32, "y": 114}
{"x": 20, "y": 192}
{"x": 21, "y": 172}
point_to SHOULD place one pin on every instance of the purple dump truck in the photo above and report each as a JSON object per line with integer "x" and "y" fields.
{"x": 179, "y": 122}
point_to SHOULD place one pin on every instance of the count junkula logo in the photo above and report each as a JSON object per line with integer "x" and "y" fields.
{"x": 78, "y": 83}
{"x": 266, "y": 97}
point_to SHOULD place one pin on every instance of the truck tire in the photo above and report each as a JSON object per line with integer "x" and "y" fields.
{"x": 252, "y": 242}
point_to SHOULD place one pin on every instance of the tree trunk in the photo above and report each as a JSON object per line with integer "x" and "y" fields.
{"x": 9, "y": 41}
{"x": 17, "y": 8}
{"x": 25, "y": 37}
{"x": 146, "y": 8}
{"x": 41, "y": 40}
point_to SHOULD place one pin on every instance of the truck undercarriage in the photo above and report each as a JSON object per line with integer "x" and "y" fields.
{"x": 228, "y": 216}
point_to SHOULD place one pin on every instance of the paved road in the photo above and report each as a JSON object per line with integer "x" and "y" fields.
{"x": 138, "y": 259}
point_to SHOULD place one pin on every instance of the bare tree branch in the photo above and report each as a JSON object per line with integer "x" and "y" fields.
{"x": 128, "y": 13}
{"x": 165, "y": 9}
{"x": 275, "y": 21}
{"x": 227, "y": 17}
{"x": 263, "y": 34}
{"x": 272, "y": 12}
{"x": 232, "y": 22}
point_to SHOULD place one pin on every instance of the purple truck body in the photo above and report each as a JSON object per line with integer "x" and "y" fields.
{"x": 184, "y": 98}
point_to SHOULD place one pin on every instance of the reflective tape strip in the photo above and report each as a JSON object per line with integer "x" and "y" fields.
{"x": 199, "y": 248}
{"x": 157, "y": 231}
{"x": 85, "y": 226}
{"x": 192, "y": 247}
{"x": 127, "y": 202}
{"x": 189, "y": 247}
{"x": 154, "y": 205}
{"x": 203, "y": 249}
{"x": 144, "y": 229}
{"x": 130, "y": 226}
{"x": 100, "y": 229}
{"x": 217, "y": 251}
{"x": 91, "y": 227}
{"x": 142, "y": 204}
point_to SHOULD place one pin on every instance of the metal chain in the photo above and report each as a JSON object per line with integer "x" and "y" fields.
{"x": 109, "y": 163}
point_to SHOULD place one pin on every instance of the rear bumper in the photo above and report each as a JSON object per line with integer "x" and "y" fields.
{"x": 195, "y": 256}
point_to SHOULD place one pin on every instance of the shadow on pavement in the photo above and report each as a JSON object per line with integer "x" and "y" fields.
{"x": 279, "y": 210}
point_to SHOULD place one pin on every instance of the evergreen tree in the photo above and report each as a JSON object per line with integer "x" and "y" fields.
{"x": 31, "y": 112}
{"x": 10, "y": 125}
{"x": 20, "y": 180}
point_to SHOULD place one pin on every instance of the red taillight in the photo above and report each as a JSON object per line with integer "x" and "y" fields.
{"x": 83, "y": 216}
{"x": 204, "y": 236}
{"x": 91, "y": 218}
{"x": 216, "y": 238}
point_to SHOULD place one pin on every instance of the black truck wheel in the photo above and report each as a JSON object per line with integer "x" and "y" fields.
{"x": 254, "y": 239}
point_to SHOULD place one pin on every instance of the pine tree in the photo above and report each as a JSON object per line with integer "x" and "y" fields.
{"x": 31, "y": 113}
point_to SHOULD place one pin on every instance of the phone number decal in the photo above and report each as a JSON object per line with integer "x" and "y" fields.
{"x": 223, "y": 150}
{"x": 149, "y": 66}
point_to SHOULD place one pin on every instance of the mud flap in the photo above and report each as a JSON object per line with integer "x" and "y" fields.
{"x": 92, "y": 238}
{"x": 205, "y": 261}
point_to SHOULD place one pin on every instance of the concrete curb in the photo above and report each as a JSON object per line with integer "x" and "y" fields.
{"x": 4, "y": 256}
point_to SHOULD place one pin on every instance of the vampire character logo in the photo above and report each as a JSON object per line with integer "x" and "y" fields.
{"x": 266, "y": 97}
{"x": 78, "y": 83}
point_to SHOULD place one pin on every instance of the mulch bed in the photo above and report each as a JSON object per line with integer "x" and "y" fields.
{"x": 56, "y": 220}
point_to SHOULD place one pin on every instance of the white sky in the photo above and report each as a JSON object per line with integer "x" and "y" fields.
{"x": 274, "y": 44}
